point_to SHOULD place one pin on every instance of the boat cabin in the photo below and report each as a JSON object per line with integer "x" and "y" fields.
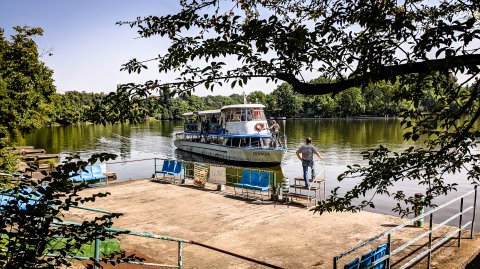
{"x": 202, "y": 122}
{"x": 245, "y": 119}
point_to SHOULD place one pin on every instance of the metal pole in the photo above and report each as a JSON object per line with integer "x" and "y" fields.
{"x": 180, "y": 258}
{"x": 96, "y": 252}
{"x": 460, "y": 222}
{"x": 155, "y": 167}
{"x": 236, "y": 255}
{"x": 430, "y": 241}
{"x": 335, "y": 259}
{"x": 275, "y": 180}
{"x": 474, "y": 209}
{"x": 389, "y": 250}
{"x": 324, "y": 189}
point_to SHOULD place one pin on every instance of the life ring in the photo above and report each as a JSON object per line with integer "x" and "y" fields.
{"x": 259, "y": 126}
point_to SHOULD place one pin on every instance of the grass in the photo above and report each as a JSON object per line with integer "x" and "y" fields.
{"x": 86, "y": 250}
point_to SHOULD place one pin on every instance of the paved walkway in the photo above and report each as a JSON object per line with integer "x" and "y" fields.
{"x": 286, "y": 236}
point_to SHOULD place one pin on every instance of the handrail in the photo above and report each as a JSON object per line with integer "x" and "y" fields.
{"x": 91, "y": 209}
{"x": 219, "y": 165}
{"x": 428, "y": 233}
{"x": 168, "y": 238}
{"x": 401, "y": 226}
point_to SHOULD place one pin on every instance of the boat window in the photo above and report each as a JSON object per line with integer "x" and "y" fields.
{"x": 244, "y": 114}
{"x": 233, "y": 115}
{"x": 258, "y": 114}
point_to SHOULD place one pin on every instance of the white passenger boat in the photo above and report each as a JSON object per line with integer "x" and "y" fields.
{"x": 235, "y": 133}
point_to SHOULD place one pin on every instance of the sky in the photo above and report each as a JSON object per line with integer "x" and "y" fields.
{"x": 87, "y": 47}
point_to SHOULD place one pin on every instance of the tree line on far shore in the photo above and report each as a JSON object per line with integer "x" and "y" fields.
{"x": 376, "y": 100}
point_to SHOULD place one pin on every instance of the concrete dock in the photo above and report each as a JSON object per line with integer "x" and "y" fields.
{"x": 286, "y": 236}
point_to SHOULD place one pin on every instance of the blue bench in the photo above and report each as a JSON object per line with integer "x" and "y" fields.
{"x": 255, "y": 181}
{"x": 89, "y": 173}
{"x": 170, "y": 168}
{"x": 22, "y": 199}
{"x": 369, "y": 259}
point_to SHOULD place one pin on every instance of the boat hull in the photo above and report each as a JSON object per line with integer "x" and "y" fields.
{"x": 255, "y": 156}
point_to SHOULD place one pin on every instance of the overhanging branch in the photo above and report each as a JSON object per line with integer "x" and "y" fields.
{"x": 382, "y": 73}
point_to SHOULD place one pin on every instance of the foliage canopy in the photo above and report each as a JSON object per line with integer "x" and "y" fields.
{"x": 26, "y": 84}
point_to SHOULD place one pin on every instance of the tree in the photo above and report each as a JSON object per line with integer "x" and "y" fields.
{"x": 325, "y": 106}
{"x": 379, "y": 99}
{"x": 350, "y": 103}
{"x": 257, "y": 97}
{"x": 287, "y": 100}
{"x": 356, "y": 43}
{"x": 26, "y": 84}
{"x": 71, "y": 107}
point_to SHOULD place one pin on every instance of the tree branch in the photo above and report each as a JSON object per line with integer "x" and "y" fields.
{"x": 382, "y": 73}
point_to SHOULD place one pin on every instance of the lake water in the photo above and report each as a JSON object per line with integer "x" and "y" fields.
{"x": 340, "y": 141}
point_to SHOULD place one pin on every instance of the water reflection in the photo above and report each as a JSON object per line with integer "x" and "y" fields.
{"x": 340, "y": 141}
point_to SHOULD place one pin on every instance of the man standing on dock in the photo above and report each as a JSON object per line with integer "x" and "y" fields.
{"x": 307, "y": 152}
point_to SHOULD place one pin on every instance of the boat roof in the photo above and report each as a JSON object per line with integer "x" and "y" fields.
{"x": 218, "y": 111}
{"x": 208, "y": 112}
{"x": 243, "y": 106}
{"x": 204, "y": 112}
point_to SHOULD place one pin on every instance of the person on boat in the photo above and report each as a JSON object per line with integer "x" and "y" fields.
{"x": 222, "y": 123}
{"x": 307, "y": 151}
{"x": 274, "y": 129}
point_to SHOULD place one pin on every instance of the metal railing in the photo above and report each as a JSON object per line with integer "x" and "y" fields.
{"x": 180, "y": 242}
{"x": 97, "y": 246}
{"x": 233, "y": 175}
{"x": 429, "y": 233}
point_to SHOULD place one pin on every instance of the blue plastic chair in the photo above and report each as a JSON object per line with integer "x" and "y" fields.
{"x": 82, "y": 175}
{"x": 177, "y": 170}
{"x": 22, "y": 199}
{"x": 261, "y": 181}
{"x": 264, "y": 181}
{"x": 352, "y": 265}
{"x": 89, "y": 173}
{"x": 380, "y": 253}
{"x": 367, "y": 260}
{"x": 167, "y": 167}
{"x": 255, "y": 179}
{"x": 244, "y": 181}
{"x": 97, "y": 172}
